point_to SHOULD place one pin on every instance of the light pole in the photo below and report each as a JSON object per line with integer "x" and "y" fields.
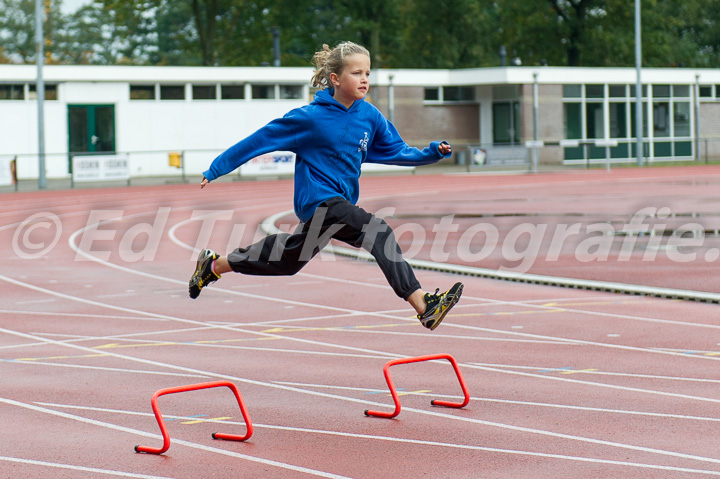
{"x": 638, "y": 88}
{"x": 391, "y": 98}
{"x": 40, "y": 90}
{"x": 697, "y": 118}
{"x": 535, "y": 123}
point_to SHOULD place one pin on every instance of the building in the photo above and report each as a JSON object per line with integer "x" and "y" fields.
{"x": 578, "y": 115}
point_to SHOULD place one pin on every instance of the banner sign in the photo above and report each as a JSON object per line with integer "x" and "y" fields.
{"x": 6, "y": 173}
{"x": 100, "y": 167}
{"x": 275, "y": 163}
{"x": 283, "y": 163}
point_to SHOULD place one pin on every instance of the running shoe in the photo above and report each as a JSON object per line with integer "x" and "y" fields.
{"x": 438, "y": 305}
{"x": 204, "y": 274}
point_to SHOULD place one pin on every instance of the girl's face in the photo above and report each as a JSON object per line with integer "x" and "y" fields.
{"x": 354, "y": 80}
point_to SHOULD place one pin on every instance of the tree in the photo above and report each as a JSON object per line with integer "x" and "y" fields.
{"x": 577, "y": 17}
{"x": 398, "y": 33}
{"x": 89, "y": 36}
{"x": 529, "y": 30}
{"x": 17, "y": 29}
{"x": 443, "y": 34}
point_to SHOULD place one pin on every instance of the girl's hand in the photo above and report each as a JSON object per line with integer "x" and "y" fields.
{"x": 445, "y": 148}
{"x": 203, "y": 183}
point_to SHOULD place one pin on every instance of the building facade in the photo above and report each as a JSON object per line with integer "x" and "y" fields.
{"x": 578, "y": 115}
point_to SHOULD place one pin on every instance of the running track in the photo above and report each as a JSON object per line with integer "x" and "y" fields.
{"x": 565, "y": 383}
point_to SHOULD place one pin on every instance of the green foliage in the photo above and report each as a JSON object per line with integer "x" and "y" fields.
{"x": 17, "y": 30}
{"x": 443, "y": 34}
{"x": 398, "y": 33}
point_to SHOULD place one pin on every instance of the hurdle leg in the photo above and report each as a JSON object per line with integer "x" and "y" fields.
{"x": 195, "y": 387}
{"x": 435, "y": 402}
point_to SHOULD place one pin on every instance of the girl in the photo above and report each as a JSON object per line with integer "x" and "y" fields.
{"x": 331, "y": 137}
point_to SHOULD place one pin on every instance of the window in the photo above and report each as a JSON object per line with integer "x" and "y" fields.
{"x": 644, "y": 117}
{"x": 661, "y": 91}
{"x": 172, "y": 92}
{"x": 142, "y": 92}
{"x": 663, "y": 148}
{"x": 594, "y": 120}
{"x": 432, "y": 94}
{"x": 50, "y": 92}
{"x": 290, "y": 92}
{"x": 618, "y": 91}
{"x": 618, "y": 120}
{"x": 204, "y": 92}
{"x": 681, "y": 91}
{"x": 505, "y": 118}
{"x": 573, "y": 121}
{"x": 661, "y": 119}
{"x": 458, "y": 93}
{"x": 232, "y": 92}
{"x": 681, "y": 117}
{"x": 572, "y": 91}
{"x": 452, "y": 94}
{"x": 706, "y": 91}
{"x": 667, "y": 119}
{"x": 263, "y": 92}
{"x": 12, "y": 91}
{"x": 595, "y": 91}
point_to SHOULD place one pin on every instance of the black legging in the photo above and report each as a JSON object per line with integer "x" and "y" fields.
{"x": 286, "y": 254}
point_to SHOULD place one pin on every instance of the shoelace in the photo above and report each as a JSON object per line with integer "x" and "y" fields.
{"x": 435, "y": 294}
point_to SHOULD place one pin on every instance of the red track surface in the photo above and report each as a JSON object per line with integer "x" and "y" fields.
{"x": 564, "y": 383}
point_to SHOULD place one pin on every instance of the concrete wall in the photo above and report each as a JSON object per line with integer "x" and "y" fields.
{"x": 420, "y": 123}
{"x": 148, "y": 129}
{"x": 550, "y": 120}
{"x": 709, "y": 131}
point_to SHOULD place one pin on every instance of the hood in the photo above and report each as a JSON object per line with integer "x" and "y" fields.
{"x": 325, "y": 98}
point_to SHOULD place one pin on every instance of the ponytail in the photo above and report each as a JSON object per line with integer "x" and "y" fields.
{"x": 329, "y": 61}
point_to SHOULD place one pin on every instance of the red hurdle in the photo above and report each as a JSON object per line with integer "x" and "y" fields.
{"x": 195, "y": 387}
{"x": 434, "y": 402}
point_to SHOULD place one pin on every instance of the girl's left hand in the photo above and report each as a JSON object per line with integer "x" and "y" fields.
{"x": 445, "y": 148}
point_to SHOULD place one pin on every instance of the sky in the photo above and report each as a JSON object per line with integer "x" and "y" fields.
{"x": 69, "y": 6}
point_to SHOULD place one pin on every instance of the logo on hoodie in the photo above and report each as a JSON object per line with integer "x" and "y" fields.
{"x": 364, "y": 143}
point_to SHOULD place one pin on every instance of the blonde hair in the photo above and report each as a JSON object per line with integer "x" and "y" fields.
{"x": 329, "y": 61}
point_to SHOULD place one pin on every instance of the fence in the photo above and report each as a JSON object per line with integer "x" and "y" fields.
{"x": 177, "y": 165}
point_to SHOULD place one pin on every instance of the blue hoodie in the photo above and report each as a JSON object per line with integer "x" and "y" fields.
{"x": 331, "y": 142}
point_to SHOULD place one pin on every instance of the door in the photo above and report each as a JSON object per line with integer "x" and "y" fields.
{"x": 506, "y": 116}
{"x": 91, "y": 130}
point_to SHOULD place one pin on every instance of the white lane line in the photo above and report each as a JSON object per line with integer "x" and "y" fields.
{"x": 485, "y": 302}
{"x": 508, "y": 401}
{"x": 419, "y": 411}
{"x": 591, "y": 383}
{"x": 598, "y": 373}
{"x": 99, "y": 368}
{"x": 417, "y": 442}
{"x": 74, "y": 247}
{"x": 100, "y": 352}
{"x": 36, "y": 301}
{"x": 495, "y": 424}
{"x": 350, "y": 329}
{"x": 272, "y": 219}
{"x": 362, "y": 350}
{"x": 94, "y": 470}
{"x": 175, "y": 441}
{"x": 74, "y": 338}
{"x": 76, "y": 315}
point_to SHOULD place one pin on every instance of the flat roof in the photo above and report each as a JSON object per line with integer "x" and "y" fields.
{"x": 400, "y": 77}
